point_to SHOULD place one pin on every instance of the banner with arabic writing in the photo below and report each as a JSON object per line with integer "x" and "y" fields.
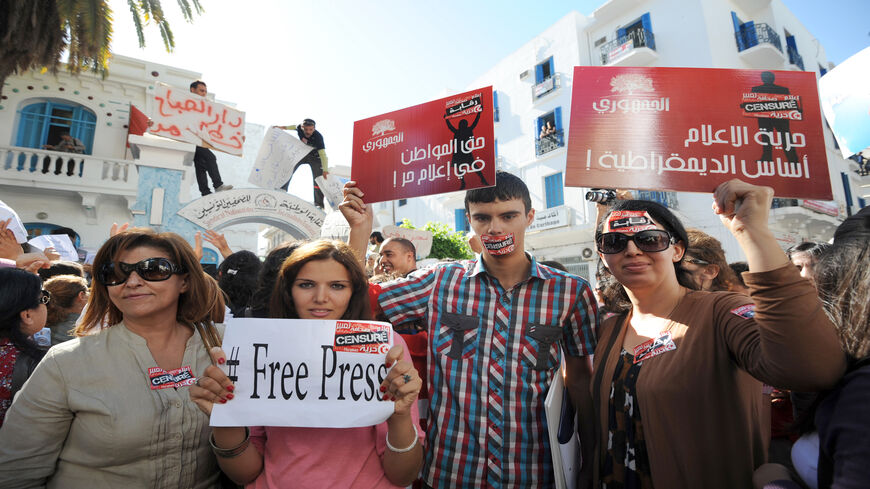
{"x": 690, "y": 129}
{"x": 185, "y": 116}
{"x": 440, "y": 146}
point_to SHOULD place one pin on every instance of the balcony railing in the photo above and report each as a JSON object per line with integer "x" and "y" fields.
{"x": 778, "y": 203}
{"x": 549, "y": 142}
{"x": 667, "y": 199}
{"x": 619, "y": 47}
{"x": 795, "y": 58}
{"x": 757, "y": 34}
{"x": 33, "y": 167}
{"x": 553, "y": 82}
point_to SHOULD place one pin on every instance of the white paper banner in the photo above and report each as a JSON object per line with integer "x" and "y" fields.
{"x": 332, "y": 189}
{"x": 305, "y": 373}
{"x": 16, "y": 226}
{"x": 60, "y": 242}
{"x": 422, "y": 239}
{"x": 185, "y": 116}
{"x": 278, "y": 154}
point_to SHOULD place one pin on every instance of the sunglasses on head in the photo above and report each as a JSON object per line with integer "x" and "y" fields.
{"x": 651, "y": 240}
{"x": 150, "y": 269}
{"x": 45, "y": 298}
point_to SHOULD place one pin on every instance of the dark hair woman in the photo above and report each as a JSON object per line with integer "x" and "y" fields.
{"x": 323, "y": 280}
{"x": 69, "y": 294}
{"x": 262, "y": 296}
{"x": 110, "y": 408}
{"x": 237, "y": 277}
{"x": 678, "y": 375}
{"x": 22, "y": 313}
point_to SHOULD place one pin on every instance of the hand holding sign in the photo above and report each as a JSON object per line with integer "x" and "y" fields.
{"x": 743, "y": 209}
{"x": 213, "y": 386}
{"x": 403, "y": 383}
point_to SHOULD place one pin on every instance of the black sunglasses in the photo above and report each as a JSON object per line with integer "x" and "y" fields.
{"x": 651, "y": 240}
{"x": 150, "y": 269}
{"x": 45, "y": 298}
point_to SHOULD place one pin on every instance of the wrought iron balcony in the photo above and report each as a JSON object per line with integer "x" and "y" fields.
{"x": 795, "y": 58}
{"x": 760, "y": 33}
{"x": 621, "y": 46}
{"x": 548, "y": 85}
{"x": 550, "y": 142}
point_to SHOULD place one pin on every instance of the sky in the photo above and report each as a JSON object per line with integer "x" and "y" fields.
{"x": 337, "y": 61}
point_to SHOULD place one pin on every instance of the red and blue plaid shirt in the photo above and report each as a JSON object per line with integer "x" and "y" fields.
{"x": 492, "y": 355}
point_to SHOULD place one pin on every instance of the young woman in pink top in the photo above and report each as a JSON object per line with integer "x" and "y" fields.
{"x": 323, "y": 280}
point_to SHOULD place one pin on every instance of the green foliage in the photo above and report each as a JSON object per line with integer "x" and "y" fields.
{"x": 446, "y": 243}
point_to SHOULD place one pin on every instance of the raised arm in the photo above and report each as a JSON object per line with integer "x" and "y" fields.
{"x": 789, "y": 341}
{"x": 359, "y": 216}
{"x": 476, "y": 120}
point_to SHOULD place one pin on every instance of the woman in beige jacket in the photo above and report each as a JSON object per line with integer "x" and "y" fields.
{"x": 110, "y": 408}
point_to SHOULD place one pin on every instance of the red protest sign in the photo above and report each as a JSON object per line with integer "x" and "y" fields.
{"x": 440, "y": 146}
{"x": 690, "y": 129}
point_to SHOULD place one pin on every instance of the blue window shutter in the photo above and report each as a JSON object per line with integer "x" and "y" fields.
{"x": 460, "y": 223}
{"x": 738, "y": 32}
{"x": 495, "y": 105}
{"x": 30, "y": 126}
{"x": 790, "y": 42}
{"x": 557, "y": 115}
{"x": 862, "y": 203}
{"x": 552, "y": 67}
{"x": 554, "y": 190}
{"x": 83, "y": 125}
{"x": 620, "y": 34}
{"x": 749, "y": 34}
{"x": 647, "y": 26}
{"x": 539, "y": 122}
{"x": 539, "y": 73}
{"x": 822, "y": 72}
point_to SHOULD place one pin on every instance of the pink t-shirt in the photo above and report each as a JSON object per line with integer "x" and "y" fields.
{"x": 325, "y": 457}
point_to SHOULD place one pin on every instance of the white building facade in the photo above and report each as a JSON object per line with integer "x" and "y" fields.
{"x": 533, "y": 86}
{"x": 111, "y": 182}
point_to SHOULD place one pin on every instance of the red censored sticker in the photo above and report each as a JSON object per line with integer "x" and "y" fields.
{"x": 161, "y": 379}
{"x": 357, "y": 337}
{"x": 498, "y": 245}
{"x": 656, "y": 346}
{"x": 746, "y": 312}
{"x": 629, "y": 222}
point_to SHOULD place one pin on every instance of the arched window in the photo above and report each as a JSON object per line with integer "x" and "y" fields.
{"x": 43, "y": 122}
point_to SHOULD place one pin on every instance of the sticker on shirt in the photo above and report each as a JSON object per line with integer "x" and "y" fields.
{"x": 746, "y": 312}
{"x": 656, "y": 346}
{"x": 629, "y": 222}
{"x": 357, "y": 337}
{"x": 179, "y": 377}
{"x": 501, "y": 244}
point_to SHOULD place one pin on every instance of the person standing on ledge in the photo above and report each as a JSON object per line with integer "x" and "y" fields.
{"x": 316, "y": 159}
{"x": 204, "y": 161}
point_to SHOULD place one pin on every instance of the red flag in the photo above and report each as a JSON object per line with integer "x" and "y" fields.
{"x": 138, "y": 122}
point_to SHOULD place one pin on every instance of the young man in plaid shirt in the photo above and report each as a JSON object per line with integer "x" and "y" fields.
{"x": 498, "y": 327}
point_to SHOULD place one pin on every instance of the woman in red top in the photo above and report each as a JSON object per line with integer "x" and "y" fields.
{"x": 22, "y": 313}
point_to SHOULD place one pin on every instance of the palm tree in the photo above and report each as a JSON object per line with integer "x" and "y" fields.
{"x": 35, "y": 34}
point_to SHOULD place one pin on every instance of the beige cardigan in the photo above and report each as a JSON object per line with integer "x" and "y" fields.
{"x": 701, "y": 404}
{"x": 87, "y": 418}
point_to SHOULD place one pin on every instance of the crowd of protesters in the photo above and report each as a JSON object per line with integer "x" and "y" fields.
{"x": 678, "y": 363}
